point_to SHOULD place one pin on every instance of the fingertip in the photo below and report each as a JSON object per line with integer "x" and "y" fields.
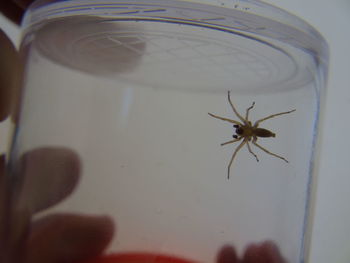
{"x": 9, "y": 64}
{"x": 90, "y": 239}
{"x": 12, "y": 11}
{"x": 227, "y": 254}
{"x": 24, "y": 4}
{"x": 50, "y": 174}
{"x": 272, "y": 252}
{"x": 69, "y": 238}
{"x": 251, "y": 254}
{"x": 265, "y": 252}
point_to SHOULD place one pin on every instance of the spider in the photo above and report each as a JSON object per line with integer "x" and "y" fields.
{"x": 248, "y": 133}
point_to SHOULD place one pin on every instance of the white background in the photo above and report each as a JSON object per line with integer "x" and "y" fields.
{"x": 331, "y": 230}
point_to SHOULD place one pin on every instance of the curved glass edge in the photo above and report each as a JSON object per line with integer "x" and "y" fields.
{"x": 249, "y": 16}
{"x": 255, "y": 7}
{"x": 312, "y": 187}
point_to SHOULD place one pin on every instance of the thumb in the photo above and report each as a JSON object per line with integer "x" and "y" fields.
{"x": 68, "y": 238}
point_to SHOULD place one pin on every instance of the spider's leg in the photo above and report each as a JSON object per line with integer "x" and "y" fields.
{"x": 271, "y": 116}
{"x": 234, "y": 109}
{"x": 233, "y": 157}
{"x": 268, "y": 152}
{"x": 232, "y": 141}
{"x": 225, "y": 119}
{"x": 250, "y": 150}
{"x": 247, "y": 111}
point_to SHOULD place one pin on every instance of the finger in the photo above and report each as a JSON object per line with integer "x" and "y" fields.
{"x": 266, "y": 252}
{"x": 227, "y": 255}
{"x": 133, "y": 257}
{"x": 68, "y": 238}
{"x": 49, "y": 175}
{"x": 11, "y": 10}
{"x": 3, "y": 195}
{"x": 9, "y": 70}
{"x": 15, "y": 9}
{"x": 24, "y": 3}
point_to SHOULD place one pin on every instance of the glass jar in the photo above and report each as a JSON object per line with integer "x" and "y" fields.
{"x": 114, "y": 121}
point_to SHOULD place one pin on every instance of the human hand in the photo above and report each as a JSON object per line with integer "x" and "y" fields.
{"x": 48, "y": 176}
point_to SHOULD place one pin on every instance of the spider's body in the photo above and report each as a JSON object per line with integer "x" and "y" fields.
{"x": 247, "y": 132}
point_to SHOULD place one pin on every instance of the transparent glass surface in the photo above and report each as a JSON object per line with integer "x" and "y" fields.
{"x": 124, "y": 88}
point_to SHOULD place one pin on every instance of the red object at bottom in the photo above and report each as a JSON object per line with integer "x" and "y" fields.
{"x": 139, "y": 258}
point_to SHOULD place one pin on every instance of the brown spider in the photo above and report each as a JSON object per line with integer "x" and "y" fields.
{"x": 247, "y": 132}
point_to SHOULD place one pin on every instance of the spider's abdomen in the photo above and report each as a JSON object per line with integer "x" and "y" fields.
{"x": 260, "y": 132}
